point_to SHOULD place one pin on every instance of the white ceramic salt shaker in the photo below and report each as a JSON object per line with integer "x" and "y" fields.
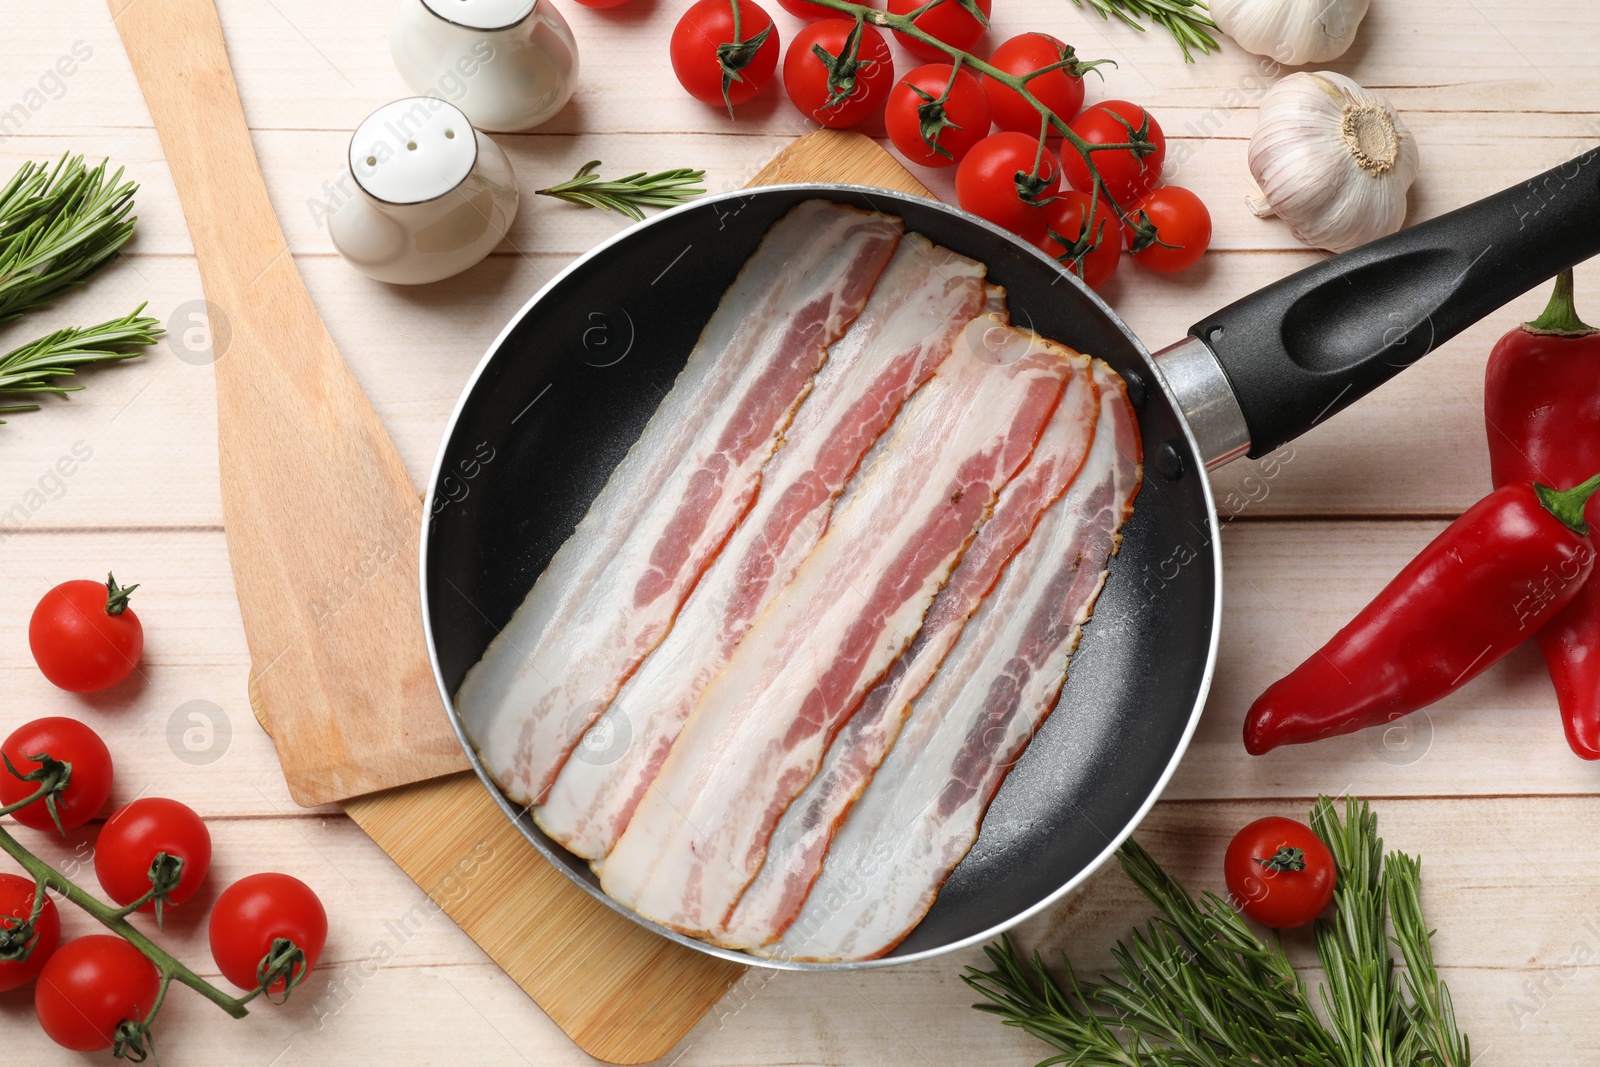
{"x": 509, "y": 64}
{"x": 433, "y": 195}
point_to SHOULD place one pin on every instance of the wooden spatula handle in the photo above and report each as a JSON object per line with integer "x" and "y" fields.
{"x": 321, "y": 516}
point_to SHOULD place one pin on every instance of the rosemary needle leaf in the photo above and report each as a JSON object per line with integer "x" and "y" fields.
{"x": 58, "y": 225}
{"x": 629, "y": 195}
{"x": 36, "y": 366}
{"x": 1196, "y": 987}
{"x": 1188, "y": 21}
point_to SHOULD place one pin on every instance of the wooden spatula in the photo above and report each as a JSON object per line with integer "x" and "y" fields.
{"x": 321, "y": 516}
{"x": 623, "y": 994}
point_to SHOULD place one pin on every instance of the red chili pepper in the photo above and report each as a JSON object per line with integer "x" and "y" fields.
{"x": 1541, "y": 402}
{"x": 1491, "y": 579}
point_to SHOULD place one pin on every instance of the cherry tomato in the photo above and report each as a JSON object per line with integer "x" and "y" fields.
{"x": 254, "y": 912}
{"x": 951, "y": 22}
{"x": 1279, "y": 872}
{"x": 955, "y": 125}
{"x": 133, "y": 837}
{"x": 68, "y": 741}
{"x": 699, "y": 37}
{"x": 803, "y": 9}
{"x": 1123, "y": 175}
{"x": 856, "y": 87}
{"x": 1067, "y": 216}
{"x": 1061, "y": 91}
{"x": 84, "y": 636}
{"x": 1181, "y": 221}
{"x": 994, "y": 182}
{"x": 90, "y": 986}
{"x": 16, "y": 904}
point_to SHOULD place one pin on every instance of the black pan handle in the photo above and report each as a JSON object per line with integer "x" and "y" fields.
{"x": 1315, "y": 342}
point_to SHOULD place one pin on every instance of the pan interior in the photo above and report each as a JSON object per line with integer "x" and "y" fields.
{"x": 568, "y": 389}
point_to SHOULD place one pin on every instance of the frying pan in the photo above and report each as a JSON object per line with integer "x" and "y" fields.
{"x": 569, "y": 384}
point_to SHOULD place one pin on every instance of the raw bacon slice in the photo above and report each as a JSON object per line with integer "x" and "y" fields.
{"x": 761, "y": 727}
{"x": 612, "y": 590}
{"x": 922, "y": 301}
{"x": 795, "y": 853}
{"x": 924, "y": 807}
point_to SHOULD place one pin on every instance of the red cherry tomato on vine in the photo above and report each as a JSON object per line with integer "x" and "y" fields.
{"x": 997, "y": 182}
{"x": 951, "y": 22}
{"x": 804, "y": 9}
{"x": 16, "y": 905}
{"x": 1123, "y": 174}
{"x": 955, "y": 124}
{"x": 858, "y": 86}
{"x": 133, "y": 837}
{"x": 1067, "y": 216}
{"x": 84, "y": 636}
{"x": 1181, "y": 221}
{"x": 699, "y": 36}
{"x": 254, "y": 912}
{"x": 89, "y": 987}
{"x": 1279, "y": 872}
{"x": 68, "y": 741}
{"x": 1061, "y": 91}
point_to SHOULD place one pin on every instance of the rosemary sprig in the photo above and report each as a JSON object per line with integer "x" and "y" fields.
{"x": 34, "y": 367}
{"x": 629, "y": 195}
{"x": 1187, "y": 20}
{"x": 1197, "y": 988}
{"x": 58, "y": 225}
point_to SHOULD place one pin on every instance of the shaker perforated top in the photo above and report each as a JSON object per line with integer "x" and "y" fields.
{"x": 413, "y": 150}
{"x": 482, "y": 14}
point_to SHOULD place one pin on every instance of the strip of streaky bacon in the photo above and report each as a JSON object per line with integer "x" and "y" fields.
{"x": 923, "y": 808}
{"x": 612, "y": 590}
{"x": 925, "y": 297}
{"x": 761, "y": 727}
{"x": 798, "y": 845}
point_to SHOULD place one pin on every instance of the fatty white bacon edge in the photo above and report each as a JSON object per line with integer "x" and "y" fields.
{"x": 795, "y": 853}
{"x": 924, "y": 298}
{"x": 761, "y": 727}
{"x": 924, "y": 807}
{"x": 612, "y": 590}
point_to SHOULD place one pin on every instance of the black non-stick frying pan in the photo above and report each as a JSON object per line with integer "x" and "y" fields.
{"x": 568, "y": 386}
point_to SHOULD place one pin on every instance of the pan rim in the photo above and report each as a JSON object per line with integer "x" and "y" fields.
{"x": 518, "y": 814}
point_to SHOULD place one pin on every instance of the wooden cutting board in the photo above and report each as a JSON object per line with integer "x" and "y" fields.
{"x": 314, "y": 494}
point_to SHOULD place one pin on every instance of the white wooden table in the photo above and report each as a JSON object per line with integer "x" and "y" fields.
{"x": 1483, "y": 786}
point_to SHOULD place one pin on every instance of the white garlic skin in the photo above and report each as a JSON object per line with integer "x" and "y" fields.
{"x": 1307, "y": 157}
{"x": 1294, "y": 32}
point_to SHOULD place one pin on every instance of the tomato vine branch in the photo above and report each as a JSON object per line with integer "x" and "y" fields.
{"x": 169, "y": 966}
{"x": 1139, "y": 142}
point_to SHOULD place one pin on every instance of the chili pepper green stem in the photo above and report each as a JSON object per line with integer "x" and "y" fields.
{"x": 170, "y": 967}
{"x": 1568, "y": 504}
{"x": 1560, "y": 316}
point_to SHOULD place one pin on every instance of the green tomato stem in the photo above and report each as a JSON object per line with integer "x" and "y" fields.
{"x": 169, "y": 966}
{"x": 904, "y": 24}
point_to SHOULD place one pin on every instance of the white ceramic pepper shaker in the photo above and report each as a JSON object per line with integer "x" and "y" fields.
{"x": 509, "y": 64}
{"x": 434, "y": 196}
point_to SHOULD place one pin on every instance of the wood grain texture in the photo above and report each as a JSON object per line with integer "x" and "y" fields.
{"x": 623, "y": 994}
{"x": 1495, "y": 90}
{"x": 321, "y": 517}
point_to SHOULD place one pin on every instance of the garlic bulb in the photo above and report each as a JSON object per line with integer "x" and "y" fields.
{"x": 1333, "y": 160}
{"x": 1293, "y": 32}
